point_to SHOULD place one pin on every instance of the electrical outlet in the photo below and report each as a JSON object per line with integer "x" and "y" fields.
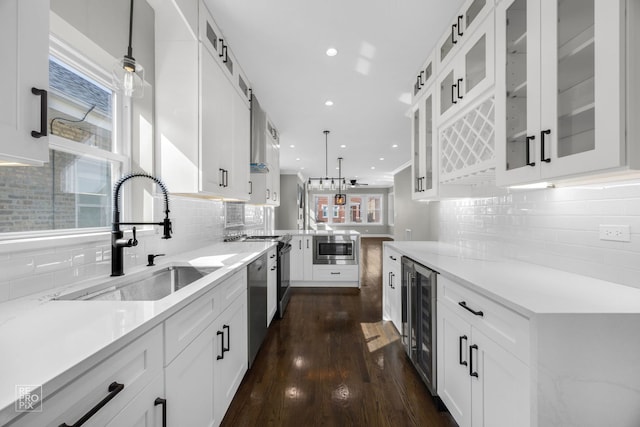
{"x": 618, "y": 233}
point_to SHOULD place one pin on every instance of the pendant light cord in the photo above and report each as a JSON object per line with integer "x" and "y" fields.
{"x": 326, "y": 153}
{"x": 130, "y": 49}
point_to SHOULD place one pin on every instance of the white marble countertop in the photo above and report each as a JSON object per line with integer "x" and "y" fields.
{"x": 50, "y": 342}
{"x": 525, "y": 288}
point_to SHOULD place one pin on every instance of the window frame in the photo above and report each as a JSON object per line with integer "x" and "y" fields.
{"x": 364, "y": 209}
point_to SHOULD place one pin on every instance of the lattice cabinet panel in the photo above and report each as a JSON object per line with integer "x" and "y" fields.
{"x": 467, "y": 147}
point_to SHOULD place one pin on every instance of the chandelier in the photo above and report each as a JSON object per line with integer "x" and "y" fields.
{"x": 327, "y": 182}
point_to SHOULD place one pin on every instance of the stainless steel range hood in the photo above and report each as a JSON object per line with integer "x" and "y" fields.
{"x": 258, "y": 138}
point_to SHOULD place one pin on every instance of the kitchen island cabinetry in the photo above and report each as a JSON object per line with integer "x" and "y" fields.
{"x": 391, "y": 287}
{"x": 301, "y": 258}
{"x": 480, "y": 382}
{"x": 521, "y": 344}
{"x": 561, "y": 91}
{"x": 24, "y": 81}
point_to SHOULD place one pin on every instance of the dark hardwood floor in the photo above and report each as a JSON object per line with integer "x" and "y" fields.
{"x": 332, "y": 361}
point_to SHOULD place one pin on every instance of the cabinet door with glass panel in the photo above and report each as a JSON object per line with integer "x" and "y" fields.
{"x": 560, "y": 104}
{"x": 424, "y": 162}
{"x": 470, "y": 73}
{"x": 471, "y": 15}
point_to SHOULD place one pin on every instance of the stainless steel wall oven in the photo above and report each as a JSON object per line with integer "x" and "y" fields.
{"x": 335, "y": 249}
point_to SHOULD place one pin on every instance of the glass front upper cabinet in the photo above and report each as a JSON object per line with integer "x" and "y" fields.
{"x": 471, "y": 14}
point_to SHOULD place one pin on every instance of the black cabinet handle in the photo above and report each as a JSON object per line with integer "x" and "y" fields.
{"x": 453, "y": 95}
{"x": 226, "y": 54}
{"x": 221, "y": 54}
{"x": 527, "y": 148}
{"x": 250, "y": 187}
{"x": 221, "y": 184}
{"x": 471, "y": 371}
{"x": 462, "y": 338}
{"x": 458, "y": 88}
{"x": 300, "y": 244}
{"x": 542, "y": 155}
{"x": 390, "y": 281}
{"x": 42, "y": 93}
{"x": 274, "y": 267}
{"x": 460, "y": 33}
{"x": 393, "y": 258}
{"x": 114, "y": 389}
{"x": 422, "y": 80}
{"x": 393, "y": 286}
{"x": 272, "y": 256}
{"x": 163, "y": 402}
{"x": 226, "y": 178}
{"x": 228, "y": 342}
{"x": 463, "y": 304}
{"x": 335, "y": 273}
{"x": 221, "y": 355}
{"x": 453, "y": 38}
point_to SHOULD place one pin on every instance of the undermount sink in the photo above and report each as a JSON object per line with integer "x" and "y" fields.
{"x": 147, "y": 287}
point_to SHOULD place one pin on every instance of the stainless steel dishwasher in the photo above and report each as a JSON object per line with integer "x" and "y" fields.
{"x": 257, "y": 277}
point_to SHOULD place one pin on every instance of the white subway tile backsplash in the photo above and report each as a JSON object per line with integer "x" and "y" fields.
{"x": 558, "y": 228}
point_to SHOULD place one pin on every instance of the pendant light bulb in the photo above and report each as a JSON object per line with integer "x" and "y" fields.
{"x": 128, "y": 76}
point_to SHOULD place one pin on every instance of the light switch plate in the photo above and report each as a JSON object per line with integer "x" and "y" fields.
{"x": 618, "y": 233}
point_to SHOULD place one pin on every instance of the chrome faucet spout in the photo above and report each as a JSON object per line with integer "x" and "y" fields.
{"x": 118, "y": 242}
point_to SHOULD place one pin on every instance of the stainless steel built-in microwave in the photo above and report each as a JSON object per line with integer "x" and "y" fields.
{"x": 335, "y": 249}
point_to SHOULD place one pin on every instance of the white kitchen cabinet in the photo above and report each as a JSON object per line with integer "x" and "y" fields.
{"x": 470, "y": 73}
{"x": 336, "y": 274}
{"x": 147, "y": 409}
{"x": 24, "y": 81}
{"x": 231, "y": 354}
{"x": 121, "y": 376}
{"x": 482, "y": 348}
{"x": 560, "y": 106}
{"x": 206, "y": 346}
{"x": 424, "y": 78}
{"x": 301, "y": 257}
{"x": 471, "y": 14}
{"x": 272, "y": 284}
{"x": 203, "y": 117}
{"x": 392, "y": 287}
{"x": 190, "y": 382}
{"x": 424, "y": 165}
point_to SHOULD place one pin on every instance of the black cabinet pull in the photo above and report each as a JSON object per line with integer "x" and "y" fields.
{"x": 542, "y": 155}
{"x": 453, "y": 95}
{"x": 42, "y": 93}
{"x": 393, "y": 286}
{"x": 221, "y": 184}
{"x": 335, "y": 273}
{"x": 471, "y": 371}
{"x": 453, "y": 37}
{"x": 422, "y": 80}
{"x": 221, "y": 355}
{"x": 221, "y": 54}
{"x": 274, "y": 267}
{"x": 163, "y": 402}
{"x": 458, "y": 88}
{"x": 463, "y": 304}
{"x": 393, "y": 258}
{"x": 250, "y": 187}
{"x": 527, "y": 148}
{"x": 114, "y": 389}
{"x": 390, "y": 280}
{"x": 460, "y": 33}
{"x": 462, "y": 338}
{"x": 226, "y": 178}
{"x": 300, "y": 244}
{"x": 226, "y": 54}
{"x": 228, "y": 342}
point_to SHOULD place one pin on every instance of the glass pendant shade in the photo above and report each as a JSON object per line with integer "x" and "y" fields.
{"x": 128, "y": 77}
{"x": 340, "y": 199}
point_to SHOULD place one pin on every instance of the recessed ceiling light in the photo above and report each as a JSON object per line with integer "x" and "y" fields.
{"x": 373, "y": 167}
{"x": 298, "y": 159}
{"x": 328, "y": 103}
{"x": 381, "y": 158}
{"x": 343, "y": 146}
{"x": 332, "y": 51}
{"x": 302, "y": 168}
{"x": 292, "y": 146}
{"x": 394, "y": 146}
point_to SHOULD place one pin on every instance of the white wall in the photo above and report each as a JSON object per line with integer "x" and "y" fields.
{"x": 558, "y": 228}
{"x": 421, "y": 218}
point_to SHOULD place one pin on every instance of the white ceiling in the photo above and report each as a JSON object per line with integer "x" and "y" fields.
{"x": 281, "y": 44}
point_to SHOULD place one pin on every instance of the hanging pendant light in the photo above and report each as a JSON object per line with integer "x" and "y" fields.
{"x": 128, "y": 76}
{"x": 340, "y": 198}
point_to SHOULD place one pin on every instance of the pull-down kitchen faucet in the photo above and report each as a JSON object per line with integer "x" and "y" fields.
{"x": 118, "y": 242}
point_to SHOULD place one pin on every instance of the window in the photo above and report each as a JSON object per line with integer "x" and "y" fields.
{"x": 73, "y": 190}
{"x": 359, "y": 209}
